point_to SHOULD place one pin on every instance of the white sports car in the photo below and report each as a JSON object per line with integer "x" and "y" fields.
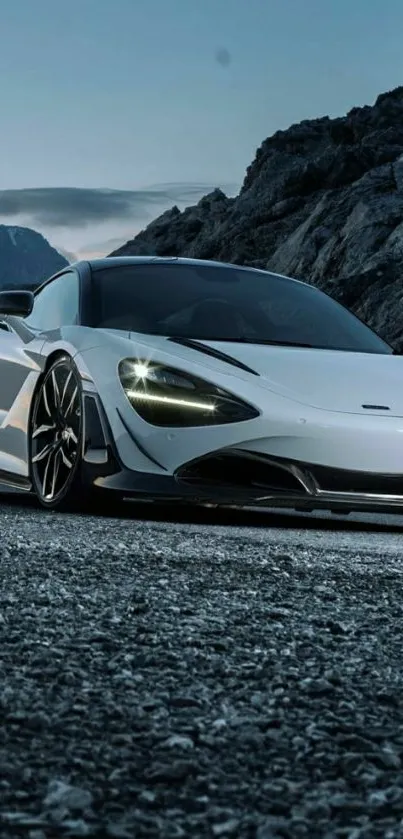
{"x": 192, "y": 381}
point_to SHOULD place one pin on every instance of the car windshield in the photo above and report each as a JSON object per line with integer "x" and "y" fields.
{"x": 214, "y": 303}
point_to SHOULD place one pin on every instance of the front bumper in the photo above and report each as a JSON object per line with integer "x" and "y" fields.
{"x": 166, "y": 489}
{"x": 236, "y": 476}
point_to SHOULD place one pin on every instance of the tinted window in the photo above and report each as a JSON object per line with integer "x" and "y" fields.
{"x": 57, "y": 304}
{"x": 225, "y": 304}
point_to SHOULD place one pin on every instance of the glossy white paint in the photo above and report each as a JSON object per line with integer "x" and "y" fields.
{"x": 310, "y": 403}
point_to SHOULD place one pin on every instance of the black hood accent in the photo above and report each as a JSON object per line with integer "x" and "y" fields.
{"x": 204, "y": 348}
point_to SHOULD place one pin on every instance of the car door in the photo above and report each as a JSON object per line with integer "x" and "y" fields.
{"x": 21, "y": 362}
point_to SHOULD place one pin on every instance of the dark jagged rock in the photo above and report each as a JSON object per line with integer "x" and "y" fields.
{"x": 26, "y": 258}
{"x": 322, "y": 201}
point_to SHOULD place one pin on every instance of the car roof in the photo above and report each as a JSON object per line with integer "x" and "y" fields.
{"x": 108, "y": 261}
{"x": 120, "y": 261}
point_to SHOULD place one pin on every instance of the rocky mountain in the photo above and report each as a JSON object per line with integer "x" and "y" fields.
{"x": 322, "y": 201}
{"x": 71, "y": 257}
{"x": 26, "y": 257}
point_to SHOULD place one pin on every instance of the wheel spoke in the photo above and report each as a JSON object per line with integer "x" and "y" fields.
{"x": 55, "y": 471}
{"x": 47, "y": 450}
{"x": 42, "y": 429}
{"x": 56, "y": 392}
{"x": 46, "y": 473}
{"x": 73, "y": 436}
{"x": 45, "y": 400}
{"x": 65, "y": 459}
{"x": 71, "y": 403}
{"x": 66, "y": 384}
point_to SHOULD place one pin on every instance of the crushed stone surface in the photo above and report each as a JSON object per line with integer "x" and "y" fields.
{"x": 190, "y": 680}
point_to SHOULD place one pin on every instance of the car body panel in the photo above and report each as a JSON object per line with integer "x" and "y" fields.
{"x": 327, "y": 379}
{"x": 20, "y": 367}
{"x": 340, "y": 438}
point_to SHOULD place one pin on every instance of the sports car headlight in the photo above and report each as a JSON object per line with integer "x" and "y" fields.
{"x": 162, "y": 395}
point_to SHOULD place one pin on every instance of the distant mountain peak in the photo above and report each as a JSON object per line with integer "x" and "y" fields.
{"x": 71, "y": 257}
{"x": 13, "y": 233}
{"x": 26, "y": 257}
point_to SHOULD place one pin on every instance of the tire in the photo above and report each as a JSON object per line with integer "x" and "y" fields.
{"x": 56, "y": 434}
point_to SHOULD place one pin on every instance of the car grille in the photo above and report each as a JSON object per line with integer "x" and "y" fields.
{"x": 342, "y": 480}
{"x": 256, "y": 474}
{"x": 242, "y": 471}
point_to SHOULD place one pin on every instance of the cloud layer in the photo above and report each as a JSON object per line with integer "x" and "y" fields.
{"x": 71, "y": 207}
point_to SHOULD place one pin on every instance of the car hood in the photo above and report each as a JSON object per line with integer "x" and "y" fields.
{"x": 348, "y": 382}
{"x": 327, "y": 379}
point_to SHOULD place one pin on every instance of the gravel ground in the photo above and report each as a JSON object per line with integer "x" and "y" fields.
{"x": 185, "y": 680}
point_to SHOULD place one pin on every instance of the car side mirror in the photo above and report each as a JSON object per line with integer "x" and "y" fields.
{"x": 17, "y": 303}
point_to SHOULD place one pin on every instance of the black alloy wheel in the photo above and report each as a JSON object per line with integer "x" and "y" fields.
{"x": 56, "y": 436}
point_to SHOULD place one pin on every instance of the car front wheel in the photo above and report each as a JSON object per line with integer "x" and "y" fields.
{"x": 56, "y": 437}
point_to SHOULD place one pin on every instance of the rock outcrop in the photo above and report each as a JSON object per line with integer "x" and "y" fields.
{"x": 26, "y": 258}
{"x": 323, "y": 202}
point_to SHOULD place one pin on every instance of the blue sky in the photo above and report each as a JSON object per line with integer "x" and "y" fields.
{"x": 132, "y": 94}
